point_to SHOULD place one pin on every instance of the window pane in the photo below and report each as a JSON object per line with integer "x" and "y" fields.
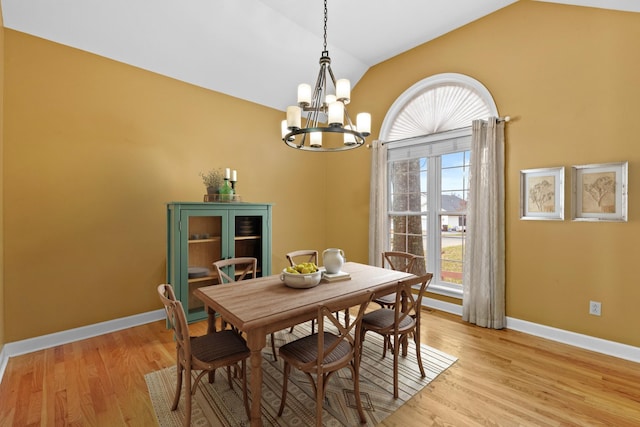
{"x": 452, "y": 244}
{"x": 408, "y": 183}
{"x": 455, "y": 182}
{"x": 409, "y": 234}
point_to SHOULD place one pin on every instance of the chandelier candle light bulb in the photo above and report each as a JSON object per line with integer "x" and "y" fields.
{"x": 349, "y": 139}
{"x": 294, "y": 117}
{"x": 343, "y": 90}
{"x": 363, "y": 121}
{"x": 304, "y": 94}
{"x": 316, "y": 139}
{"x": 336, "y": 114}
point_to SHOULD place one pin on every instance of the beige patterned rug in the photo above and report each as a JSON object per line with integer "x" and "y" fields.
{"x": 217, "y": 405}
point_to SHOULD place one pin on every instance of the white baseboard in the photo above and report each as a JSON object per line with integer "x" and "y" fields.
{"x": 611, "y": 348}
{"x": 599, "y": 345}
{"x": 4, "y": 359}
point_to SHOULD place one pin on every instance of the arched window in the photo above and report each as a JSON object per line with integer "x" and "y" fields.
{"x": 436, "y": 104}
{"x": 427, "y": 134}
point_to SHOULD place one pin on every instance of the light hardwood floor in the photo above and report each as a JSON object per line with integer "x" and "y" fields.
{"x": 501, "y": 378}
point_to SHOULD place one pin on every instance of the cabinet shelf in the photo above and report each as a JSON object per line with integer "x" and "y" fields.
{"x": 213, "y": 239}
{"x": 237, "y": 238}
{"x": 202, "y": 279}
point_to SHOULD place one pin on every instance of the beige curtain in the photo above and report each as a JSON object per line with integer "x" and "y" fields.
{"x": 484, "y": 272}
{"x": 378, "y": 203}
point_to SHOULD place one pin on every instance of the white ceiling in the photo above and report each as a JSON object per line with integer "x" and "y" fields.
{"x": 258, "y": 50}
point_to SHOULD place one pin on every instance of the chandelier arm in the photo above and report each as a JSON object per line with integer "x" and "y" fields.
{"x": 348, "y": 121}
{"x": 333, "y": 78}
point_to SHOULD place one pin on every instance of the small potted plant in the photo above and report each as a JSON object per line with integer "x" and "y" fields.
{"x": 212, "y": 180}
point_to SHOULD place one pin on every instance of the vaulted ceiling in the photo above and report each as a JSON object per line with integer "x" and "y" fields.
{"x": 258, "y": 50}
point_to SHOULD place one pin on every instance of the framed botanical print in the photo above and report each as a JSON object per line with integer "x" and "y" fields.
{"x": 542, "y": 194}
{"x": 599, "y": 192}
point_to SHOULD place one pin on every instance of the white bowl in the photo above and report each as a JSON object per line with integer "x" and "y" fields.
{"x": 301, "y": 281}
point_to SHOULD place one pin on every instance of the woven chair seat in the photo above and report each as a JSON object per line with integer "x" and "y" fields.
{"x": 305, "y": 349}
{"x": 387, "y": 300}
{"x": 220, "y": 345}
{"x": 384, "y": 318}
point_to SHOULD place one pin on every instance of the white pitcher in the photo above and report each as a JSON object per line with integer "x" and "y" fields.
{"x": 333, "y": 260}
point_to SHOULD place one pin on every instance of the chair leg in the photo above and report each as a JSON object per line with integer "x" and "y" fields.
{"x": 386, "y": 342}
{"x": 416, "y": 340}
{"x": 396, "y": 354}
{"x": 346, "y": 317}
{"x": 188, "y": 396}
{"x": 285, "y": 380}
{"x": 320, "y": 380}
{"x": 355, "y": 368}
{"x": 273, "y": 347}
{"x": 176, "y": 399}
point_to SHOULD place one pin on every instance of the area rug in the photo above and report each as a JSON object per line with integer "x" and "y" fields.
{"x": 217, "y": 405}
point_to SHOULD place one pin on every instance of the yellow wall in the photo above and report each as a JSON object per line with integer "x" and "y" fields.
{"x": 569, "y": 75}
{"x": 95, "y": 148}
{"x": 2, "y": 321}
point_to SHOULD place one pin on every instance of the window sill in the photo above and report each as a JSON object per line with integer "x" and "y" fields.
{"x": 446, "y": 289}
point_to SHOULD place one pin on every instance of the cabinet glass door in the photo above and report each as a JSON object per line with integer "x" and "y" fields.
{"x": 206, "y": 239}
{"x": 249, "y": 238}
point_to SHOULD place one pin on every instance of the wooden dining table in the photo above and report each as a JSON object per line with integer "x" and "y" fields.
{"x": 264, "y": 305}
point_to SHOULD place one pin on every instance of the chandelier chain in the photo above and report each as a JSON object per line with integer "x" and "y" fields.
{"x": 325, "y": 25}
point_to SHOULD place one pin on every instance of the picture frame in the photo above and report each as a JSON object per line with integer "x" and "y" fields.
{"x": 599, "y": 192}
{"x": 542, "y": 194}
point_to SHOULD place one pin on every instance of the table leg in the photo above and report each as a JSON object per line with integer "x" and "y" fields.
{"x": 255, "y": 342}
{"x": 211, "y": 320}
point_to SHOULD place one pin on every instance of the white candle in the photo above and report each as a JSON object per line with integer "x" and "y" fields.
{"x": 283, "y": 128}
{"x": 343, "y": 90}
{"x": 234, "y": 176}
{"x": 364, "y": 123}
{"x": 294, "y": 117}
{"x": 226, "y": 173}
{"x": 304, "y": 94}
{"x": 349, "y": 139}
{"x": 316, "y": 139}
{"x": 336, "y": 113}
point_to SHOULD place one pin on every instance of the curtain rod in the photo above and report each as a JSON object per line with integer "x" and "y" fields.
{"x": 504, "y": 119}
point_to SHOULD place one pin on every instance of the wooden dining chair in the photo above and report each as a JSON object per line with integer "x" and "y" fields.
{"x": 298, "y": 257}
{"x": 322, "y": 354}
{"x": 304, "y": 255}
{"x": 235, "y": 270}
{"x": 400, "y": 261}
{"x": 396, "y": 324}
{"x": 205, "y": 353}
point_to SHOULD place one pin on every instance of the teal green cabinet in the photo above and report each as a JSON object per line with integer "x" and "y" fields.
{"x": 200, "y": 233}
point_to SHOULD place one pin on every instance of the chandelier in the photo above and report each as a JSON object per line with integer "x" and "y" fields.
{"x": 326, "y": 112}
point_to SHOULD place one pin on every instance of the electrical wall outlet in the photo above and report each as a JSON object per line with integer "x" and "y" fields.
{"x": 595, "y": 308}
